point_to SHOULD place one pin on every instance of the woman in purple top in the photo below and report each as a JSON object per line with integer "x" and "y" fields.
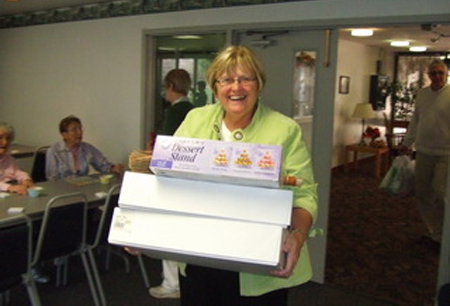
{"x": 72, "y": 157}
{"x": 12, "y": 179}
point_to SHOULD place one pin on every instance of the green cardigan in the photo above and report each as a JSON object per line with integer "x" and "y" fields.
{"x": 272, "y": 128}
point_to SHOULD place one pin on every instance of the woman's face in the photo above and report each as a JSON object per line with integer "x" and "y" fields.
{"x": 237, "y": 92}
{"x": 5, "y": 141}
{"x": 73, "y": 135}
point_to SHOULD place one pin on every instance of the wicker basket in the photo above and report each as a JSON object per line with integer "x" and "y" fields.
{"x": 139, "y": 161}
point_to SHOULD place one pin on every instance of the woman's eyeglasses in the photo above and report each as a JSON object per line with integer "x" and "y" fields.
{"x": 231, "y": 81}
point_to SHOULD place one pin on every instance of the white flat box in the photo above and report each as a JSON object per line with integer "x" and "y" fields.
{"x": 217, "y": 161}
{"x": 218, "y": 243}
{"x": 182, "y": 196}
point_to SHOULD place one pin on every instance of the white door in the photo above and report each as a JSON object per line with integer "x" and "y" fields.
{"x": 281, "y": 52}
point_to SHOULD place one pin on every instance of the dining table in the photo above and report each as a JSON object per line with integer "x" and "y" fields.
{"x": 12, "y": 204}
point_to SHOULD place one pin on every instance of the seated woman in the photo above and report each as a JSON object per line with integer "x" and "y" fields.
{"x": 72, "y": 157}
{"x": 12, "y": 179}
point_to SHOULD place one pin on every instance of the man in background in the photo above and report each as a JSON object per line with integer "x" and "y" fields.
{"x": 429, "y": 131}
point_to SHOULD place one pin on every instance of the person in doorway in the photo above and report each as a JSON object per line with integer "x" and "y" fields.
{"x": 237, "y": 78}
{"x": 72, "y": 156}
{"x": 429, "y": 131}
{"x": 177, "y": 84}
{"x": 200, "y": 97}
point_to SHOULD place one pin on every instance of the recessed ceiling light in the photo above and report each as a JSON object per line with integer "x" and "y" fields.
{"x": 400, "y": 43}
{"x": 187, "y": 37}
{"x": 362, "y": 32}
{"x": 418, "y": 49}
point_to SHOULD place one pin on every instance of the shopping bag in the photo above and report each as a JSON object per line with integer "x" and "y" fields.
{"x": 399, "y": 179}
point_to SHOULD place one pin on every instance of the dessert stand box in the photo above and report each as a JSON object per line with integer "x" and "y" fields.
{"x": 218, "y": 161}
{"x": 226, "y": 226}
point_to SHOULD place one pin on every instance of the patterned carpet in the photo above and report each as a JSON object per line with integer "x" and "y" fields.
{"x": 374, "y": 242}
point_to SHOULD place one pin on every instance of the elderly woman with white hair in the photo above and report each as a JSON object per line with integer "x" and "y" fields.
{"x": 12, "y": 179}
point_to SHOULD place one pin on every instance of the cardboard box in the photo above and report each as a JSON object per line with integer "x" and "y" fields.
{"x": 225, "y": 226}
{"x": 182, "y": 196}
{"x": 217, "y": 161}
{"x": 218, "y": 243}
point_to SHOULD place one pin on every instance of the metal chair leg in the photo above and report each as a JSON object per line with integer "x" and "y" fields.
{"x": 92, "y": 285}
{"x": 143, "y": 270}
{"x": 97, "y": 278}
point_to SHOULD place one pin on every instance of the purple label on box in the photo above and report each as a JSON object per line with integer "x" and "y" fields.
{"x": 161, "y": 163}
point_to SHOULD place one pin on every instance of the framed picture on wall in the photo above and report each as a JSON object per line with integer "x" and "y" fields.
{"x": 344, "y": 84}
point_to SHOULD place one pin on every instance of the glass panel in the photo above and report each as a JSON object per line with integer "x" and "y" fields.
{"x": 203, "y": 93}
{"x": 304, "y": 83}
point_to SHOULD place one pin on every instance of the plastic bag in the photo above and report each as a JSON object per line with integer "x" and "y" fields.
{"x": 399, "y": 179}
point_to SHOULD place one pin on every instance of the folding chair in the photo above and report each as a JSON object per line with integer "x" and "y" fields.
{"x": 38, "y": 167}
{"x": 15, "y": 259}
{"x": 100, "y": 239}
{"x": 63, "y": 233}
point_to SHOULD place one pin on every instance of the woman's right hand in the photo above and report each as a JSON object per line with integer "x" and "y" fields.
{"x": 20, "y": 189}
{"x": 131, "y": 251}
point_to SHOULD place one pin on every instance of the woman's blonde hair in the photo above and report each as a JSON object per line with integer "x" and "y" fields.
{"x": 231, "y": 58}
{"x": 9, "y": 129}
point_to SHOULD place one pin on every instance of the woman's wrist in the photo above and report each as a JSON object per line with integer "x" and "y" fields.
{"x": 298, "y": 230}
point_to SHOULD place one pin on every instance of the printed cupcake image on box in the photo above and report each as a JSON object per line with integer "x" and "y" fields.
{"x": 243, "y": 158}
{"x": 221, "y": 157}
{"x": 266, "y": 160}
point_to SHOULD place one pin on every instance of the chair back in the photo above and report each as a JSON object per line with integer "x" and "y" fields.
{"x": 15, "y": 254}
{"x": 111, "y": 201}
{"x": 38, "y": 167}
{"x": 393, "y": 139}
{"x": 63, "y": 229}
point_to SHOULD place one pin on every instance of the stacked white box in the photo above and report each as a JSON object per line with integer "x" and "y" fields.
{"x": 226, "y": 226}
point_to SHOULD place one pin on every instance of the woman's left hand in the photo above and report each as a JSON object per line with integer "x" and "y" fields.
{"x": 119, "y": 169}
{"x": 28, "y": 183}
{"x": 292, "y": 247}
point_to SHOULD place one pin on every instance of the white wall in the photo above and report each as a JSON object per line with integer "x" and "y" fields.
{"x": 357, "y": 61}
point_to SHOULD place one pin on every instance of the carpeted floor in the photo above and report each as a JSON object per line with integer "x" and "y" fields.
{"x": 374, "y": 242}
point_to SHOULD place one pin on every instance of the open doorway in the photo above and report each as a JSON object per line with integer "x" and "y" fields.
{"x": 192, "y": 53}
{"x": 390, "y": 258}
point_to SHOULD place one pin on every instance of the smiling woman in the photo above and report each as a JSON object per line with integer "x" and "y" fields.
{"x": 237, "y": 78}
{"x": 12, "y": 179}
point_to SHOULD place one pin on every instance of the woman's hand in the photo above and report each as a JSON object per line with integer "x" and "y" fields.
{"x": 28, "y": 183}
{"x": 301, "y": 222}
{"x": 119, "y": 169}
{"x": 20, "y": 189}
{"x": 131, "y": 251}
{"x": 292, "y": 247}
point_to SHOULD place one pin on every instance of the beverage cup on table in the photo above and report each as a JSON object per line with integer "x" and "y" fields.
{"x": 35, "y": 191}
{"x": 106, "y": 178}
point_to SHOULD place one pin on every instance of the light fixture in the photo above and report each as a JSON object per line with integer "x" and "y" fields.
{"x": 362, "y": 32}
{"x": 187, "y": 37}
{"x": 400, "y": 43}
{"x": 363, "y": 111}
{"x": 418, "y": 49}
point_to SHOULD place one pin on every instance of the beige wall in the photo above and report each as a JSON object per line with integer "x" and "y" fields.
{"x": 357, "y": 61}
